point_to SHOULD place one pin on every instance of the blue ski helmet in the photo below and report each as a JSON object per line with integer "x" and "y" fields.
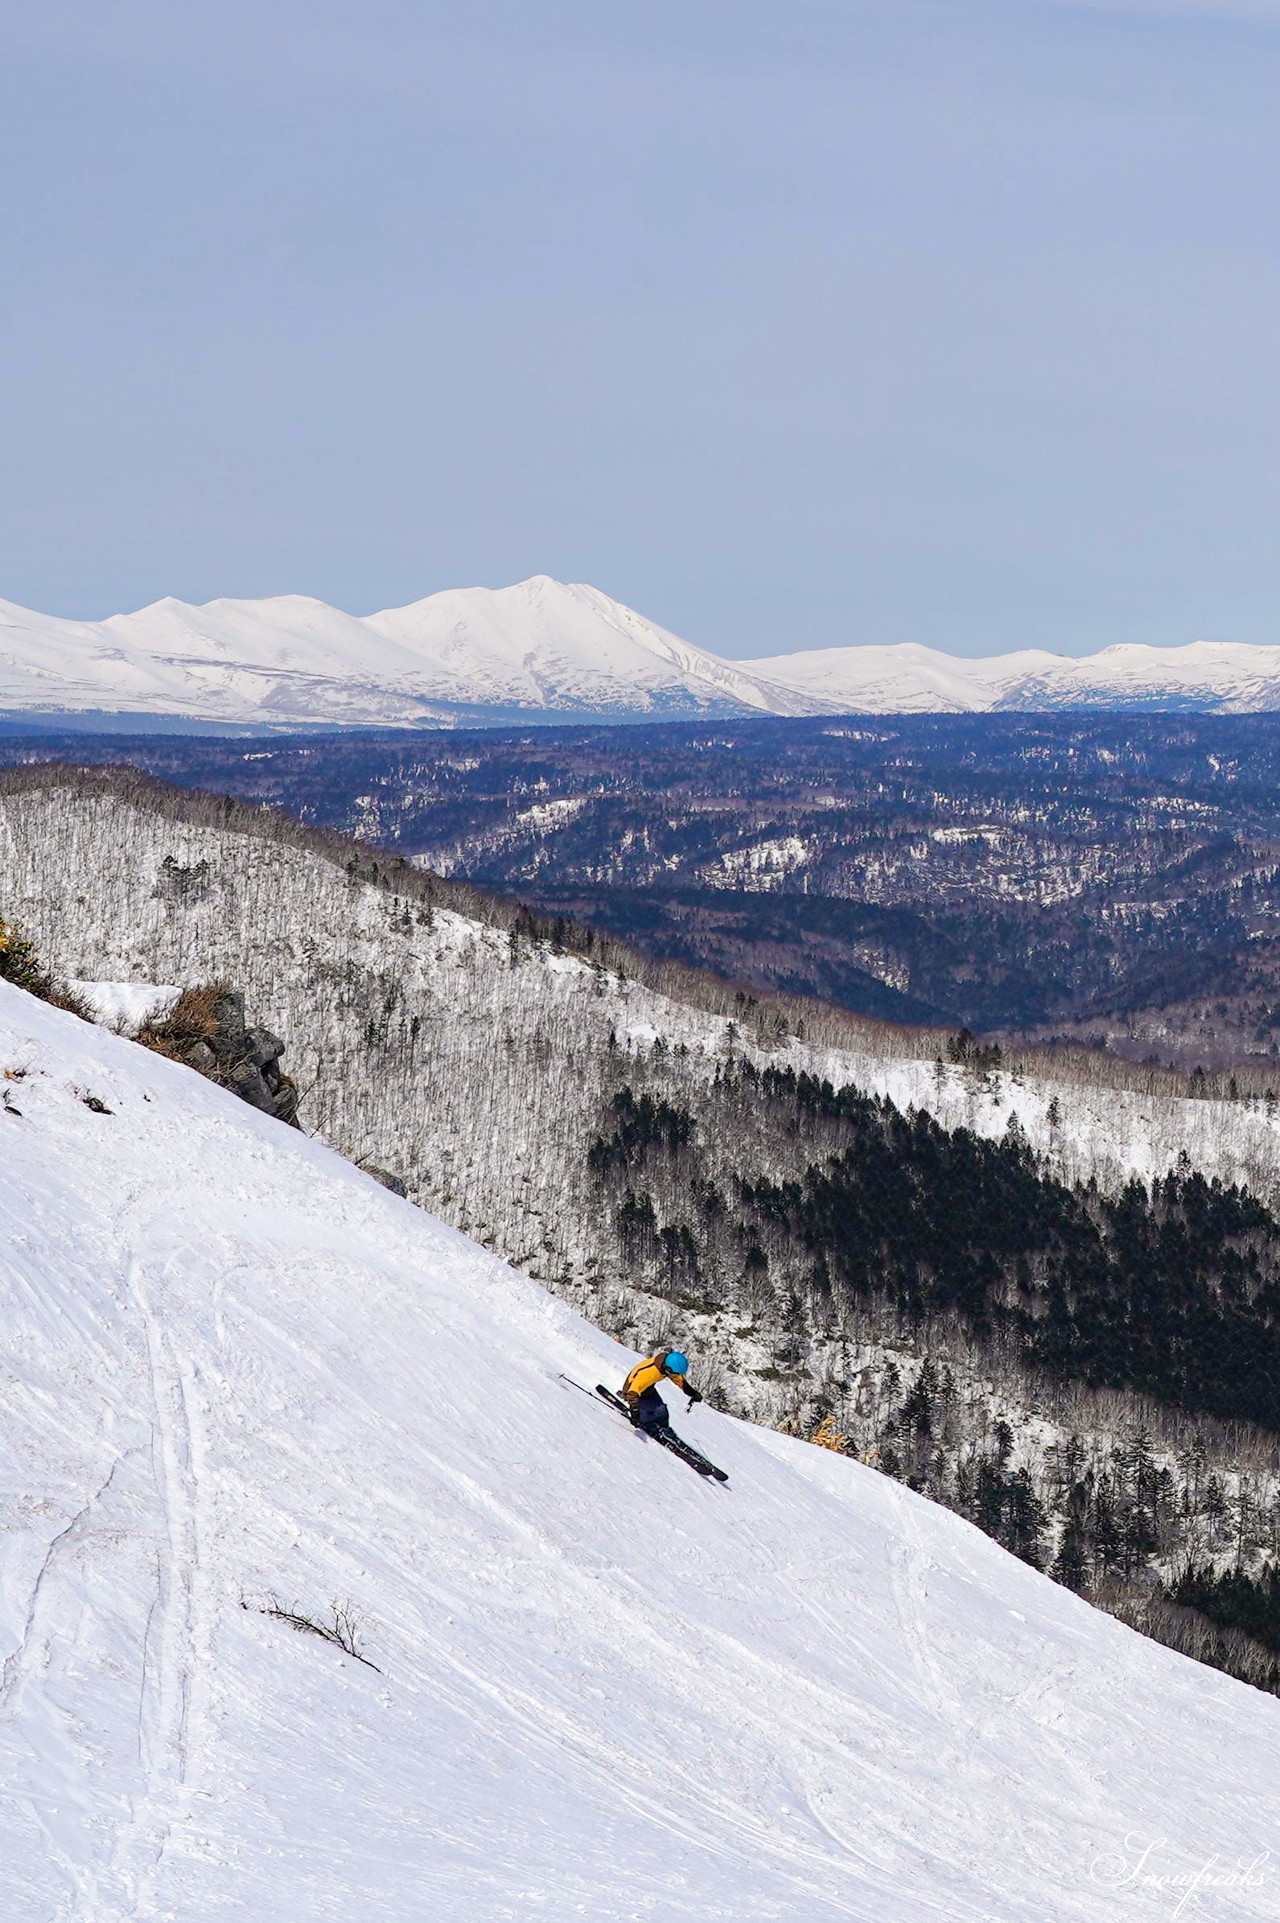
{"x": 677, "y": 1363}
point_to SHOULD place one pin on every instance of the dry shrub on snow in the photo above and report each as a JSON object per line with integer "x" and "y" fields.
{"x": 193, "y": 1018}
{"x": 20, "y": 964}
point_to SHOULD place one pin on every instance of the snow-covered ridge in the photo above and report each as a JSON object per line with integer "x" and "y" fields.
{"x": 235, "y": 1368}
{"x": 1213, "y": 677}
{"x": 539, "y": 648}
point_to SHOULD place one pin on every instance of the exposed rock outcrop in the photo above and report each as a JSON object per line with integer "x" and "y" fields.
{"x": 206, "y": 1029}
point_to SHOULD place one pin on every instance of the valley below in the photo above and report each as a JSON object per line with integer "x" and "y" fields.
{"x": 1091, "y": 880}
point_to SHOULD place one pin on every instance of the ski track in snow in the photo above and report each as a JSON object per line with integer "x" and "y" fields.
{"x": 181, "y": 1617}
{"x": 909, "y": 1566}
{"x": 235, "y": 1369}
{"x": 24, "y": 1666}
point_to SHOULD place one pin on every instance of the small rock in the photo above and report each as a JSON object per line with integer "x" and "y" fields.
{"x": 247, "y": 1083}
{"x": 387, "y": 1179}
{"x": 261, "y": 1047}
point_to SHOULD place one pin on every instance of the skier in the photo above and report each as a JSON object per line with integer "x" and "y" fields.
{"x": 640, "y": 1390}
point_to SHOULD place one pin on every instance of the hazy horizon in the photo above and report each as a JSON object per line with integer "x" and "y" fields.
{"x": 743, "y": 660}
{"x": 862, "y": 323}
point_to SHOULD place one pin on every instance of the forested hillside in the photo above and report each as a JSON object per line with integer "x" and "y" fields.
{"x": 1094, "y": 877}
{"x": 946, "y": 1262}
{"x": 1069, "y": 1367}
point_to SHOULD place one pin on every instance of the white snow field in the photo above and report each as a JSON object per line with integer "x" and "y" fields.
{"x": 236, "y": 1368}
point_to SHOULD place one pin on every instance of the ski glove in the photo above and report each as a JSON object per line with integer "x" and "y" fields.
{"x": 694, "y": 1395}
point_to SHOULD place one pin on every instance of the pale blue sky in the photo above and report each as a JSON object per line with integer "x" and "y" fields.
{"x": 791, "y": 324}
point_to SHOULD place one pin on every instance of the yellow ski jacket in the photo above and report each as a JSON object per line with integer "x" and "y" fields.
{"x": 645, "y": 1375}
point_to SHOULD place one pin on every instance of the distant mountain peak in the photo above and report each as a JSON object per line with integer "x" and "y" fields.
{"x": 545, "y": 647}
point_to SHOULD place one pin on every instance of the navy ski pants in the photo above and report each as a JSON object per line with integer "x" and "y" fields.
{"x": 651, "y": 1412}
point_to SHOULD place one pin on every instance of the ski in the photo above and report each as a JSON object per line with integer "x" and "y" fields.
{"x": 611, "y": 1396}
{"x": 677, "y": 1444}
{"x": 694, "y": 1457}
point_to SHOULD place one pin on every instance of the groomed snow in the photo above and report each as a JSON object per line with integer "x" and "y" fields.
{"x": 235, "y": 1367}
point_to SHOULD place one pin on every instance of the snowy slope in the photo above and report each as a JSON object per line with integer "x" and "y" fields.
{"x": 235, "y": 1368}
{"x": 293, "y": 661}
{"x": 278, "y": 663}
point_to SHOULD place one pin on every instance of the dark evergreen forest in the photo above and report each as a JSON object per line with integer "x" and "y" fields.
{"x": 1172, "y": 1290}
{"x": 873, "y": 1226}
{"x": 1235, "y": 1600}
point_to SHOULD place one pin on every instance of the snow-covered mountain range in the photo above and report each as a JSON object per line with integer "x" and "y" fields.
{"x": 542, "y": 649}
{"x": 537, "y": 648}
{"x": 1211, "y": 677}
{"x": 239, "y": 1374}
